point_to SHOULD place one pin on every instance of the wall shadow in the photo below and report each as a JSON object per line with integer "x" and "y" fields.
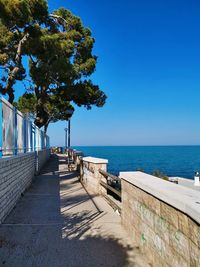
{"x": 46, "y": 230}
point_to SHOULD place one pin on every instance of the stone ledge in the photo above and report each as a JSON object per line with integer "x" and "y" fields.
{"x": 95, "y": 160}
{"x": 12, "y": 157}
{"x": 184, "y": 199}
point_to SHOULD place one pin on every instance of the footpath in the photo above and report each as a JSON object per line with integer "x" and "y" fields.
{"x": 56, "y": 223}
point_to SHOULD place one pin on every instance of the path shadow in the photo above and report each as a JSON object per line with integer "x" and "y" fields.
{"x": 45, "y": 231}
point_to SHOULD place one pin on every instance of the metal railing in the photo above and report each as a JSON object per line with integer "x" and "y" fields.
{"x": 18, "y": 134}
{"x": 113, "y": 183}
{"x": 113, "y": 190}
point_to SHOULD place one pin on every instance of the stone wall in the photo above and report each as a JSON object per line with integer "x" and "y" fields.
{"x": 77, "y": 156}
{"x": 16, "y": 174}
{"x": 163, "y": 219}
{"x": 41, "y": 158}
{"x": 90, "y": 176}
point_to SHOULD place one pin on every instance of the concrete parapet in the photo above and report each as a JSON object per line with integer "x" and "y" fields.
{"x": 90, "y": 175}
{"x": 77, "y": 156}
{"x": 41, "y": 158}
{"x": 163, "y": 218}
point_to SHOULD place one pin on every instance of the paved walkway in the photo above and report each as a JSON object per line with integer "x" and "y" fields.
{"x": 57, "y": 224}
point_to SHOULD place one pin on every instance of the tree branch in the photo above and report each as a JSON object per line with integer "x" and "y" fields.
{"x": 13, "y": 73}
{"x": 57, "y": 17}
{"x": 34, "y": 62}
{"x": 18, "y": 57}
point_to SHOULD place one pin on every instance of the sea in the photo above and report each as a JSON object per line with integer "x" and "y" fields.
{"x": 181, "y": 161}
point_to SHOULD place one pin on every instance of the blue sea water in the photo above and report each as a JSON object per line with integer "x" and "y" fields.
{"x": 180, "y": 161}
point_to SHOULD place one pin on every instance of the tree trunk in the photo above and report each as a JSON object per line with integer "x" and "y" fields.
{"x": 42, "y": 116}
{"x": 15, "y": 71}
{"x": 46, "y": 127}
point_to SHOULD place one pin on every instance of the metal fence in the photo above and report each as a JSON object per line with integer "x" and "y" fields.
{"x": 18, "y": 134}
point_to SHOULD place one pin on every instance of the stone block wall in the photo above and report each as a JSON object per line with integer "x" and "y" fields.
{"x": 90, "y": 175}
{"x": 41, "y": 157}
{"x": 167, "y": 236}
{"x": 77, "y": 156}
{"x": 16, "y": 175}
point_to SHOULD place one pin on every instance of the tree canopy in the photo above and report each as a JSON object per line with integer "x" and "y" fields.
{"x": 59, "y": 51}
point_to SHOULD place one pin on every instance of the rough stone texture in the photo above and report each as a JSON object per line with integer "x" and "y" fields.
{"x": 167, "y": 236}
{"x": 41, "y": 157}
{"x": 180, "y": 197}
{"x": 90, "y": 175}
{"x": 77, "y": 156}
{"x": 16, "y": 174}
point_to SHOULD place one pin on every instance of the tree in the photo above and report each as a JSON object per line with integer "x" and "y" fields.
{"x": 57, "y": 109}
{"x": 59, "y": 49}
{"x": 16, "y": 18}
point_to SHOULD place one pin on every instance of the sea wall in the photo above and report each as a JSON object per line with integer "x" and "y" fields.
{"x": 16, "y": 175}
{"x": 163, "y": 218}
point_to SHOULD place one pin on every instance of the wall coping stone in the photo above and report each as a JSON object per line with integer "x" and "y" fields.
{"x": 182, "y": 198}
{"x": 7, "y": 158}
{"x": 95, "y": 160}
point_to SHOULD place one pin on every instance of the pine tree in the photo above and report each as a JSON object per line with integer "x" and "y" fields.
{"x": 59, "y": 50}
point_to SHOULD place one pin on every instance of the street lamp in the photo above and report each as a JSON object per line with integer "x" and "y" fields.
{"x": 68, "y": 130}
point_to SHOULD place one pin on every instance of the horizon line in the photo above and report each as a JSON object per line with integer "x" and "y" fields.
{"x": 133, "y": 145}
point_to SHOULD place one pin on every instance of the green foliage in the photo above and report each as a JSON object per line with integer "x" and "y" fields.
{"x": 159, "y": 174}
{"x": 21, "y": 13}
{"x": 27, "y": 103}
{"x": 55, "y": 106}
{"x": 59, "y": 49}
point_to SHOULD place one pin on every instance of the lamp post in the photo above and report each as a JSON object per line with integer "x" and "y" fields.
{"x": 66, "y": 129}
{"x": 68, "y": 138}
{"x": 69, "y": 132}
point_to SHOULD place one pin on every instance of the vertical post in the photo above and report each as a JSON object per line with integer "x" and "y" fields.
{"x": 25, "y": 138}
{"x": 42, "y": 146}
{"x": 69, "y": 132}
{"x": 31, "y": 136}
{"x": 44, "y": 142}
{"x": 35, "y": 139}
{"x": 1, "y": 128}
{"x": 40, "y": 140}
{"x": 66, "y": 138}
{"x": 15, "y": 132}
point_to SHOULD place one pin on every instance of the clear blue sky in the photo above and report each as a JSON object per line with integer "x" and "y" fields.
{"x": 149, "y": 67}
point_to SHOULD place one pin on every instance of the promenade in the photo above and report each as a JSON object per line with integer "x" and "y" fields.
{"x": 57, "y": 224}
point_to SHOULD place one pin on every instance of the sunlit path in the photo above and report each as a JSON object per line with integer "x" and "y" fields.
{"x": 56, "y": 223}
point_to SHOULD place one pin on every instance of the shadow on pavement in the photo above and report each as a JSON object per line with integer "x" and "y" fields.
{"x": 55, "y": 224}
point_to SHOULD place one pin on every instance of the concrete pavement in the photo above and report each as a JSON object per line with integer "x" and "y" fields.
{"x": 57, "y": 224}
